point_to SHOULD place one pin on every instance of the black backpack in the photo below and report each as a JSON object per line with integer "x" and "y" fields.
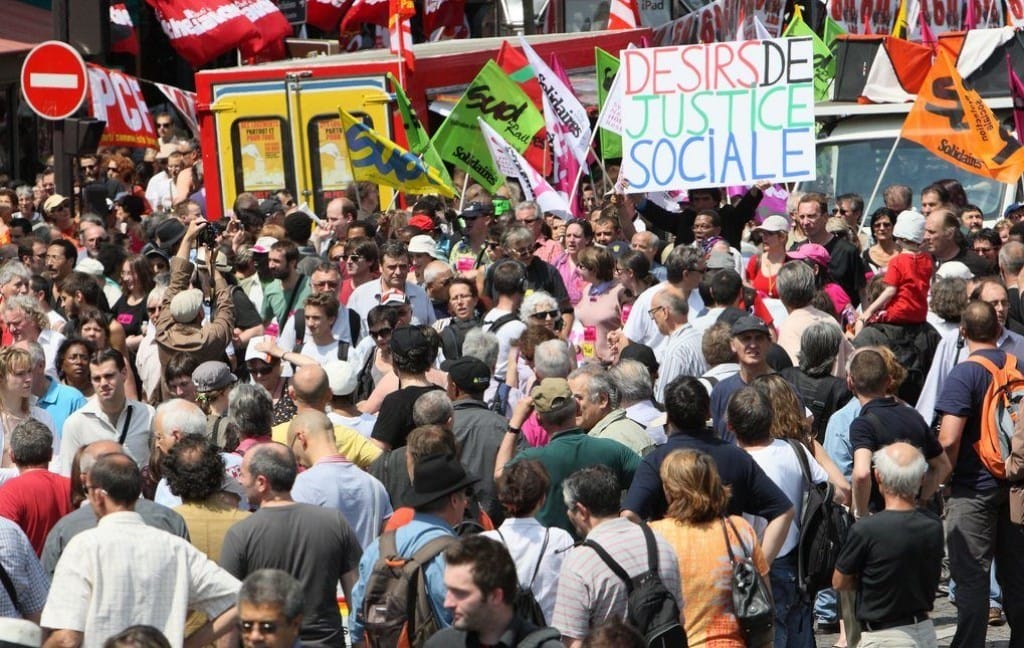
{"x": 499, "y": 402}
{"x": 343, "y": 347}
{"x": 650, "y": 607}
{"x": 494, "y": 326}
{"x": 525, "y": 603}
{"x": 453, "y": 335}
{"x": 913, "y": 345}
{"x": 822, "y": 395}
{"x": 823, "y": 527}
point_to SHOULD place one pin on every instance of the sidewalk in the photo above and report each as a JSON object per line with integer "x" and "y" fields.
{"x": 944, "y": 617}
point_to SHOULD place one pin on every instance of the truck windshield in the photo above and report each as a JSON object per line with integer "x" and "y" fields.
{"x": 854, "y": 166}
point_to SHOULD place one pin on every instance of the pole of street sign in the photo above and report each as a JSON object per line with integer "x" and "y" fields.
{"x": 63, "y": 164}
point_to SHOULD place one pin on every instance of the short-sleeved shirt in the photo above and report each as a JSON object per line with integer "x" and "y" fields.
{"x": 337, "y": 483}
{"x": 394, "y": 420}
{"x": 569, "y": 451}
{"x": 36, "y": 500}
{"x": 315, "y": 545}
{"x": 589, "y": 592}
{"x": 962, "y": 394}
{"x": 896, "y": 421}
{"x": 31, "y": 583}
{"x": 911, "y": 275}
{"x": 752, "y": 491}
{"x": 898, "y": 558}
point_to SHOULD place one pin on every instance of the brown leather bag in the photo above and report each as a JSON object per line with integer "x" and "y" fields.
{"x": 1015, "y": 473}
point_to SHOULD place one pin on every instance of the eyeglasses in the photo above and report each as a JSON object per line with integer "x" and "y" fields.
{"x": 551, "y": 314}
{"x": 492, "y": 244}
{"x": 338, "y": 258}
{"x": 266, "y": 627}
{"x": 152, "y": 309}
{"x": 881, "y": 225}
{"x": 114, "y": 169}
{"x": 261, "y": 371}
{"x": 521, "y": 251}
{"x": 527, "y": 221}
{"x": 86, "y": 167}
{"x": 163, "y": 124}
{"x": 654, "y": 310}
{"x": 354, "y": 258}
{"x": 380, "y": 333}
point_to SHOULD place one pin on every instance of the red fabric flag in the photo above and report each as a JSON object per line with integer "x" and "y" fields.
{"x": 400, "y": 32}
{"x": 271, "y": 30}
{"x": 513, "y": 63}
{"x": 441, "y": 17}
{"x": 122, "y": 32}
{"x": 202, "y": 30}
{"x": 1017, "y": 94}
{"x": 325, "y": 14}
{"x": 623, "y": 14}
{"x": 374, "y": 12}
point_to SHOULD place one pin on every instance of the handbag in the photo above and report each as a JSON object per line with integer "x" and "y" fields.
{"x": 751, "y": 596}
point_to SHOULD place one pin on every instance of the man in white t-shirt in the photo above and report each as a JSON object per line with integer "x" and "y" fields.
{"x": 509, "y": 281}
{"x": 750, "y": 418}
{"x": 685, "y": 267}
{"x": 321, "y": 312}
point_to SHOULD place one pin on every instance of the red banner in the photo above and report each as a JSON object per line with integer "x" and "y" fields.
{"x": 117, "y": 99}
{"x": 374, "y": 12}
{"x": 122, "y": 32}
{"x": 325, "y": 14}
{"x": 202, "y": 30}
{"x": 271, "y": 29}
{"x": 184, "y": 102}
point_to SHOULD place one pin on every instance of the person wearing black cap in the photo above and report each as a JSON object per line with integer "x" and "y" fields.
{"x": 477, "y": 429}
{"x": 469, "y": 253}
{"x": 751, "y": 339}
{"x": 413, "y": 352}
{"x": 439, "y": 496}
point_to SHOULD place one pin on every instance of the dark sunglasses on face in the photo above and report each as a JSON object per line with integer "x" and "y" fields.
{"x": 266, "y": 627}
{"x": 380, "y": 333}
{"x": 551, "y": 314}
{"x": 492, "y": 244}
{"x": 262, "y": 370}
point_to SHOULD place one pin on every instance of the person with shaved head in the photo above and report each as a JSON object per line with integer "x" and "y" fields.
{"x": 314, "y": 544}
{"x": 332, "y": 481}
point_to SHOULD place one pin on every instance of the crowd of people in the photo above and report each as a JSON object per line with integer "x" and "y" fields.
{"x": 222, "y": 429}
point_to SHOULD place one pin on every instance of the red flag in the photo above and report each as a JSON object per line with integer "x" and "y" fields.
{"x": 202, "y": 30}
{"x": 117, "y": 99}
{"x": 442, "y": 16}
{"x": 325, "y": 14}
{"x": 271, "y": 30}
{"x": 1017, "y": 94}
{"x": 623, "y": 14}
{"x": 400, "y": 32}
{"x": 513, "y": 63}
{"x": 374, "y": 12}
{"x": 122, "y": 32}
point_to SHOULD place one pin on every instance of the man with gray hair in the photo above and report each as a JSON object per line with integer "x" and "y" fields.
{"x": 433, "y": 408}
{"x": 529, "y": 215}
{"x": 176, "y": 419}
{"x": 499, "y": 396}
{"x": 600, "y": 414}
{"x": 270, "y": 609}
{"x": 52, "y": 396}
{"x": 37, "y": 498}
{"x": 684, "y": 268}
{"x": 796, "y": 290}
{"x": 648, "y": 244}
{"x": 1011, "y": 262}
{"x": 893, "y": 558}
{"x": 26, "y": 321}
{"x": 636, "y": 397}
{"x": 681, "y": 353}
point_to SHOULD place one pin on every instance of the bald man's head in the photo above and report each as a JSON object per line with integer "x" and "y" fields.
{"x": 313, "y": 424}
{"x": 94, "y": 451}
{"x": 900, "y": 467}
{"x": 311, "y": 387}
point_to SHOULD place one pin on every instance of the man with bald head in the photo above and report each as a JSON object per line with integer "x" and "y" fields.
{"x": 681, "y": 353}
{"x": 84, "y": 518}
{"x": 648, "y": 244}
{"x": 97, "y": 582}
{"x": 893, "y": 558}
{"x": 339, "y": 214}
{"x": 310, "y": 390}
{"x": 332, "y": 481}
{"x": 314, "y": 544}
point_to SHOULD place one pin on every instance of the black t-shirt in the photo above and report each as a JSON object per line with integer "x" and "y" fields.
{"x": 894, "y": 421}
{"x": 540, "y": 275}
{"x": 246, "y": 315}
{"x": 898, "y": 556}
{"x": 130, "y": 316}
{"x": 394, "y": 420}
{"x": 846, "y": 267}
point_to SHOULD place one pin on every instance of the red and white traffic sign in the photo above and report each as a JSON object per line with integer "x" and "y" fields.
{"x": 53, "y": 80}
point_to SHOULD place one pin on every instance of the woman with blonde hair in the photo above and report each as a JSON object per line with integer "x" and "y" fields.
{"x": 697, "y": 525}
{"x": 791, "y": 420}
{"x": 15, "y": 394}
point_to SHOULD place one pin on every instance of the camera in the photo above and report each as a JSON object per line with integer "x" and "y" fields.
{"x": 208, "y": 236}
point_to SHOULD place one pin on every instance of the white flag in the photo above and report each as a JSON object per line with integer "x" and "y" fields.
{"x": 513, "y": 165}
{"x": 564, "y": 103}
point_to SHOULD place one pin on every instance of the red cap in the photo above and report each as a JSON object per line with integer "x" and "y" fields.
{"x": 422, "y": 222}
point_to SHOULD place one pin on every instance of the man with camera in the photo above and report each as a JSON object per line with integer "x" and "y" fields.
{"x": 179, "y": 326}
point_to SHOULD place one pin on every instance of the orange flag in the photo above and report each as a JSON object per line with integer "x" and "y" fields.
{"x": 954, "y": 124}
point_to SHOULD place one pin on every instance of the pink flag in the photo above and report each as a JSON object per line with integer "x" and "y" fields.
{"x": 927, "y": 37}
{"x": 971, "y": 18}
{"x": 1017, "y": 94}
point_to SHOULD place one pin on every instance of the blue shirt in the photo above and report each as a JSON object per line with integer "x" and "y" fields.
{"x": 423, "y": 528}
{"x": 60, "y": 401}
{"x": 837, "y": 436}
{"x": 720, "y": 396}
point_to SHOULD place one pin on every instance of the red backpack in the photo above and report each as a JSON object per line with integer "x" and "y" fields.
{"x": 1000, "y": 410}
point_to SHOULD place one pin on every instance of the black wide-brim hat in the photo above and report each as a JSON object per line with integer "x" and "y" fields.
{"x": 435, "y": 476}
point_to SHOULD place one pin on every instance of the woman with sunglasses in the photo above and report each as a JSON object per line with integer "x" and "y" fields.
{"x": 579, "y": 235}
{"x": 599, "y": 311}
{"x": 877, "y": 257}
{"x": 73, "y": 364}
{"x": 360, "y": 259}
{"x": 633, "y": 271}
{"x": 265, "y": 370}
{"x": 763, "y": 269}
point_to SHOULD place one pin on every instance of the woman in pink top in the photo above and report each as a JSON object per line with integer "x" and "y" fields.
{"x": 598, "y": 311}
{"x": 578, "y": 236}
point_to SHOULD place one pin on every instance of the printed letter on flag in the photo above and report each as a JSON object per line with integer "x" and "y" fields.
{"x": 502, "y": 104}
{"x": 512, "y": 165}
{"x": 415, "y": 135}
{"x": 375, "y": 159}
{"x": 711, "y": 118}
{"x": 566, "y": 107}
{"x": 116, "y": 98}
{"x": 184, "y": 101}
{"x": 956, "y": 125}
{"x": 202, "y": 30}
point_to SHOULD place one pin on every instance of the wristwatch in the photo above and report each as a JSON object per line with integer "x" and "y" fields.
{"x": 513, "y": 430}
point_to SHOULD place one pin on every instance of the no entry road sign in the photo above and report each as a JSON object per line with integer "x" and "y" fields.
{"x": 53, "y": 80}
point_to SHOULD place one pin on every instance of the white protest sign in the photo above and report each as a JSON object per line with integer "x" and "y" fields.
{"x": 718, "y": 114}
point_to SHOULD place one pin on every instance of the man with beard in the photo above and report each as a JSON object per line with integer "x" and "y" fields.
{"x": 288, "y": 288}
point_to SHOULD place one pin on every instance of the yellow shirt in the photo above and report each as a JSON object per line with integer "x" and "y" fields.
{"x": 354, "y": 446}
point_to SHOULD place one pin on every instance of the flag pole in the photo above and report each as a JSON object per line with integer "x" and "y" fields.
{"x": 874, "y": 192}
{"x": 462, "y": 194}
{"x": 579, "y": 172}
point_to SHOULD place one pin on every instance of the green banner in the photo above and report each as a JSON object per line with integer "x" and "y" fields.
{"x": 500, "y": 102}
{"x": 606, "y": 65}
{"x": 824, "y": 61}
{"x": 419, "y": 141}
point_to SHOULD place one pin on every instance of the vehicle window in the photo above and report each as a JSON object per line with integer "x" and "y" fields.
{"x": 261, "y": 152}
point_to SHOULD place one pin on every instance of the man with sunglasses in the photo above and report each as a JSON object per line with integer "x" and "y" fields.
{"x": 270, "y": 610}
{"x": 164, "y": 128}
{"x": 470, "y": 252}
{"x": 530, "y": 216}
{"x": 685, "y": 268}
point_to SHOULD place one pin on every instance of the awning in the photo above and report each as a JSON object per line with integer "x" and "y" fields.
{"x": 23, "y": 27}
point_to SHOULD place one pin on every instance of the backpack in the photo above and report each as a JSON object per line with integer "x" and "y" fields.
{"x": 525, "y": 603}
{"x": 1000, "y": 409}
{"x": 913, "y": 345}
{"x": 822, "y": 395}
{"x": 650, "y": 607}
{"x": 823, "y": 526}
{"x": 453, "y": 335}
{"x": 499, "y": 402}
{"x": 396, "y": 610}
{"x": 752, "y": 602}
{"x": 343, "y": 347}
{"x": 501, "y": 321}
